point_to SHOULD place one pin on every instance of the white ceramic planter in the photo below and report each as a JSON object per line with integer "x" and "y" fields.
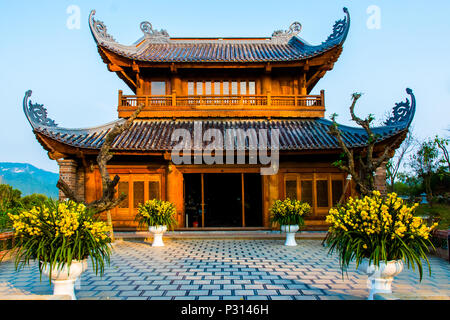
{"x": 158, "y": 232}
{"x": 380, "y": 278}
{"x": 64, "y": 278}
{"x": 290, "y": 231}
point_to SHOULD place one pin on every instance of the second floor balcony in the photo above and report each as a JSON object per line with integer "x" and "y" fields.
{"x": 223, "y": 106}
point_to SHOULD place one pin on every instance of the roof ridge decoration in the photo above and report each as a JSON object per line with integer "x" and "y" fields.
{"x": 403, "y": 112}
{"x": 36, "y": 113}
{"x": 155, "y": 36}
{"x": 152, "y": 36}
{"x": 280, "y": 36}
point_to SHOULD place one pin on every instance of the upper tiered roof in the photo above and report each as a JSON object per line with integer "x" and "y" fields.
{"x": 156, "y": 46}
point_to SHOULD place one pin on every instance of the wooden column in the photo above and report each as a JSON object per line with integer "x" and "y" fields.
{"x": 302, "y": 84}
{"x": 174, "y": 193}
{"x": 120, "y": 98}
{"x": 175, "y": 87}
{"x": 267, "y": 81}
{"x": 271, "y": 193}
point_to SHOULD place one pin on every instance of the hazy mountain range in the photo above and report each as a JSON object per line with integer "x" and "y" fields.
{"x": 29, "y": 179}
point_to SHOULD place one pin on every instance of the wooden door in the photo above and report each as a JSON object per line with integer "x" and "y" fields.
{"x": 138, "y": 188}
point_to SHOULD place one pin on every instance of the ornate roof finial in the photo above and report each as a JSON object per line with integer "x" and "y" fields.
{"x": 286, "y": 35}
{"x": 340, "y": 28}
{"x": 403, "y": 112}
{"x": 36, "y": 113}
{"x": 154, "y": 35}
{"x": 99, "y": 29}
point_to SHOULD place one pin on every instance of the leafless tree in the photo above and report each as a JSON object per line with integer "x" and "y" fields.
{"x": 363, "y": 166}
{"x": 394, "y": 164}
{"x": 108, "y": 200}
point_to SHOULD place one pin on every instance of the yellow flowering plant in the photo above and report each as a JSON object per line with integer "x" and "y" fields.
{"x": 289, "y": 212}
{"x": 156, "y": 213}
{"x": 379, "y": 229}
{"x": 59, "y": 232}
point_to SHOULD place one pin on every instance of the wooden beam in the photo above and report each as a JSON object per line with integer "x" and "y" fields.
{"x": 114, "y": 68}
{"x": 128, "y": 78}
{"x": 173, "y": 68}
{"x": 55, "y": 155}
{"x": 317, "y": 75}
{"x": 135, "y": 67}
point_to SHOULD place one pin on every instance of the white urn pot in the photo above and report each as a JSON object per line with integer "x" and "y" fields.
{"x": 290, "y": 231}
{"x": 380, "y": 277}
{"x": 158, "y": 232}
{"x": 63, "y": 278}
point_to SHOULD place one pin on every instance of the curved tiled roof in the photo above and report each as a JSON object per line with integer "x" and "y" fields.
{"x": 157, "y": 46}
{"x": 156, "y": 135}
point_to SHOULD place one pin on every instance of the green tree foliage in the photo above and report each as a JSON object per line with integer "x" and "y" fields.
{"x": 12, "y": 202}
{"x": 9, "y": 202}
{"x": 33, "y": 200}
{"x": 431, "y": 159}
{"x": 9, "y": 197}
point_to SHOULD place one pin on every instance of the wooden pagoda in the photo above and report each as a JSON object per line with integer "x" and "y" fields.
{"x": 237, "y": 85}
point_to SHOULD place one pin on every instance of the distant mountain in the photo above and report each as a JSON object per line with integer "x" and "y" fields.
{"x": 29, "y": 179}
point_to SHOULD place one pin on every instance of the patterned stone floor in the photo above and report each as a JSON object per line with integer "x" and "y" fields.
{"x": 222, "y": 270}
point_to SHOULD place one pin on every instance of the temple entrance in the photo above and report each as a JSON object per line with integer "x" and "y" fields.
{"x": 223, "y": 200}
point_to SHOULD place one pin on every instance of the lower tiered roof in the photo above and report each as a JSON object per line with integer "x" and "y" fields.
{"x": 155, "y": 135}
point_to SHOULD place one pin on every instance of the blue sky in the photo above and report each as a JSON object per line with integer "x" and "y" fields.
{"x": 66, "y": 74}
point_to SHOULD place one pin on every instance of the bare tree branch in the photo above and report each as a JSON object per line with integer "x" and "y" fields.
{"x": 395, "y": 163}
{"x": 368, "y": 164}
{"x": 108, "y": 200}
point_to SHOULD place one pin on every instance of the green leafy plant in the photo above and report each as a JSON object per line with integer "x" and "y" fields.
{"x": 57, "y": 233}
{"x": 9, "y": 202}
{"x": 33, "y": 200}
{"x": 156, "y": 213}
{"x": 289, "y": 212}
{"x": 378, "y": 229}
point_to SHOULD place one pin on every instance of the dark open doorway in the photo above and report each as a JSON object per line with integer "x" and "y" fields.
{"x": 214, "y": 200}
{"x": 223, "y": 196}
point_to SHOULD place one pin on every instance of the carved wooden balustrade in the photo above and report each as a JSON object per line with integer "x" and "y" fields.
{"x": 222, "y": 105}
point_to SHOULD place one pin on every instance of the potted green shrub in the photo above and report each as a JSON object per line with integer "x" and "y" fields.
{"x": 61, "y": 236}
{"x": 158, "y": 215}
{"x": 289, "y": 215}
{"x": 380, "y": 233}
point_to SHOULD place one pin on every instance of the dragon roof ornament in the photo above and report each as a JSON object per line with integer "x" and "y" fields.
{"x": 340, "y": 28}
{"x": 36, "y": 113}
{"x": 99, "y": 28}
{"x": 403, "y": 112}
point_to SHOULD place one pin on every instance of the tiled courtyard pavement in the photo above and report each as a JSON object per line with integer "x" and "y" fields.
{"x": 224, "y": 269}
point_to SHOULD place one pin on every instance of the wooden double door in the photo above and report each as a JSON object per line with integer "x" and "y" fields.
{"x": 138, "y": 188}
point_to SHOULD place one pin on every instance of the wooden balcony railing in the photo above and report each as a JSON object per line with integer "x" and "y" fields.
{"x": 233, "y": 100}
{"x": 314, "y": 104}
